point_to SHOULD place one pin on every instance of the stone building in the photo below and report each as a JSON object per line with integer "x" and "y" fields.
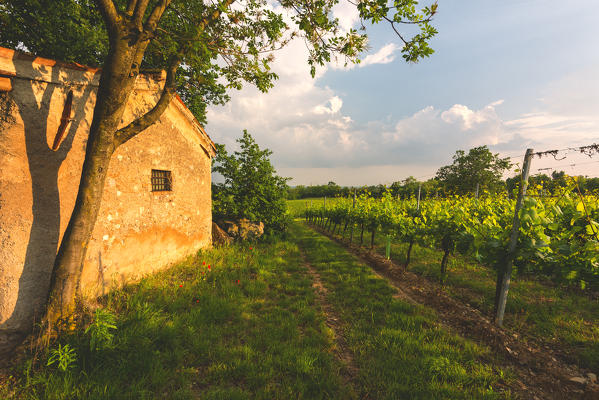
{"x": 156, "y": 205}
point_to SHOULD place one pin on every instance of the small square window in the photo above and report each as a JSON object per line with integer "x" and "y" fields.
{"x": 161, "y": 181}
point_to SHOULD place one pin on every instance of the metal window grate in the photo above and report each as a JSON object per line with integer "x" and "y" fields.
{"x": 161, "y": 181}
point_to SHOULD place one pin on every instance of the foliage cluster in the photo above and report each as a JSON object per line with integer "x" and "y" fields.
{"x": 559, "y": 237}
{"x": 564, "y": 318}
{"x": 250, "y": 187}
{"x": 553, "y": 185}
{"x": 216, "y": 45}
{"x": 477, "y": 167}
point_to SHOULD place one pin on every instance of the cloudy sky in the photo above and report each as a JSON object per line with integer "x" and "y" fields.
{"x": 510, "y": 74}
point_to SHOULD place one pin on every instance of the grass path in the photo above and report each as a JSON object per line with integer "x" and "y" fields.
{"x": 348, "y": 372}
{"x": 398, "y": 348}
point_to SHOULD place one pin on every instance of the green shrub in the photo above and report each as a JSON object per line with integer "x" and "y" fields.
{"x": 251, "y": 188}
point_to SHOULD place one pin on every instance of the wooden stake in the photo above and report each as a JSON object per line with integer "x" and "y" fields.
{"x": 418, "y": 201}
{"x": 506, "y": 268}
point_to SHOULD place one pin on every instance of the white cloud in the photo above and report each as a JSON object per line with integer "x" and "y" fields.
{"x": 347, "y": 14}
{"x": 385, "y": 55}
{"x": 467, "y": 119}
{"x": 335, "y": 105}
{"x": 314, "y": 139}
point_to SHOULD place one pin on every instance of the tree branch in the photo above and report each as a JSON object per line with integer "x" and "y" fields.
{"x": 140, "y": 10}
{"x": 131, "y": 7}
{"x": 109, "y": 12}
{"x": 168, "y": 92}
{"x": 216, "y": 14}
{"x": 155, "y": 15}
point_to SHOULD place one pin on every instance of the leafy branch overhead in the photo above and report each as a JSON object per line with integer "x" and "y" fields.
{"x": 214, "y": 45}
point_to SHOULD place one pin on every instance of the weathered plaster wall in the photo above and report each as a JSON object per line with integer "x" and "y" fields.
{"x": 137, "y": 231}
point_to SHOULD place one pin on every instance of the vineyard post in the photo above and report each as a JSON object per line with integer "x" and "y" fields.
{"x": 506, "y": 268}
{"x": 325, "y": 203}
{"x": 418, "y": 201}
{"x": 476, "y": 194}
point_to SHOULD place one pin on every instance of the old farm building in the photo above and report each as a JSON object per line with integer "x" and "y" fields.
{"x": 156, "y": 205}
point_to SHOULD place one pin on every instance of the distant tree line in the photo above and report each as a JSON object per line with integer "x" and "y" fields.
{"x": 477, "y": 170}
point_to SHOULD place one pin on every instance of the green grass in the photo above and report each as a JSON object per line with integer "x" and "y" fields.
{"x": 189, "y": 332}
{"x": 211, "y": 338}
{"x": 296, "y": 207}
{"x": 535, "y": 308}
{"x": 398, "y": 349}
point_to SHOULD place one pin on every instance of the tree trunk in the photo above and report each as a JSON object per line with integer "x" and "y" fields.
{"x": 116, "y": 84}
{"x": 345, "y": 228}
{"x": 372, "y": 238}
{"x": 408, "y": 254}
{"x": 361, "y": 234}
{"x": 444, "y": 267}
{"x": 498, "y": 285}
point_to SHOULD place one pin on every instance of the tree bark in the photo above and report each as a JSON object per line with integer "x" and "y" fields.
{"x": 444, "y": 267}
{"x": 498, "y": 285}
{"x": 128, "y": 37}
{"x": 408, "y": 254}
{"x": 111, "y": 100}
{"x": 361, "y": 234}
{"x": 372, "y": 238}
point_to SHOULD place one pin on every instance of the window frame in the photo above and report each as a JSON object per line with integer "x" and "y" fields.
{"x": 161, "y": 180}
